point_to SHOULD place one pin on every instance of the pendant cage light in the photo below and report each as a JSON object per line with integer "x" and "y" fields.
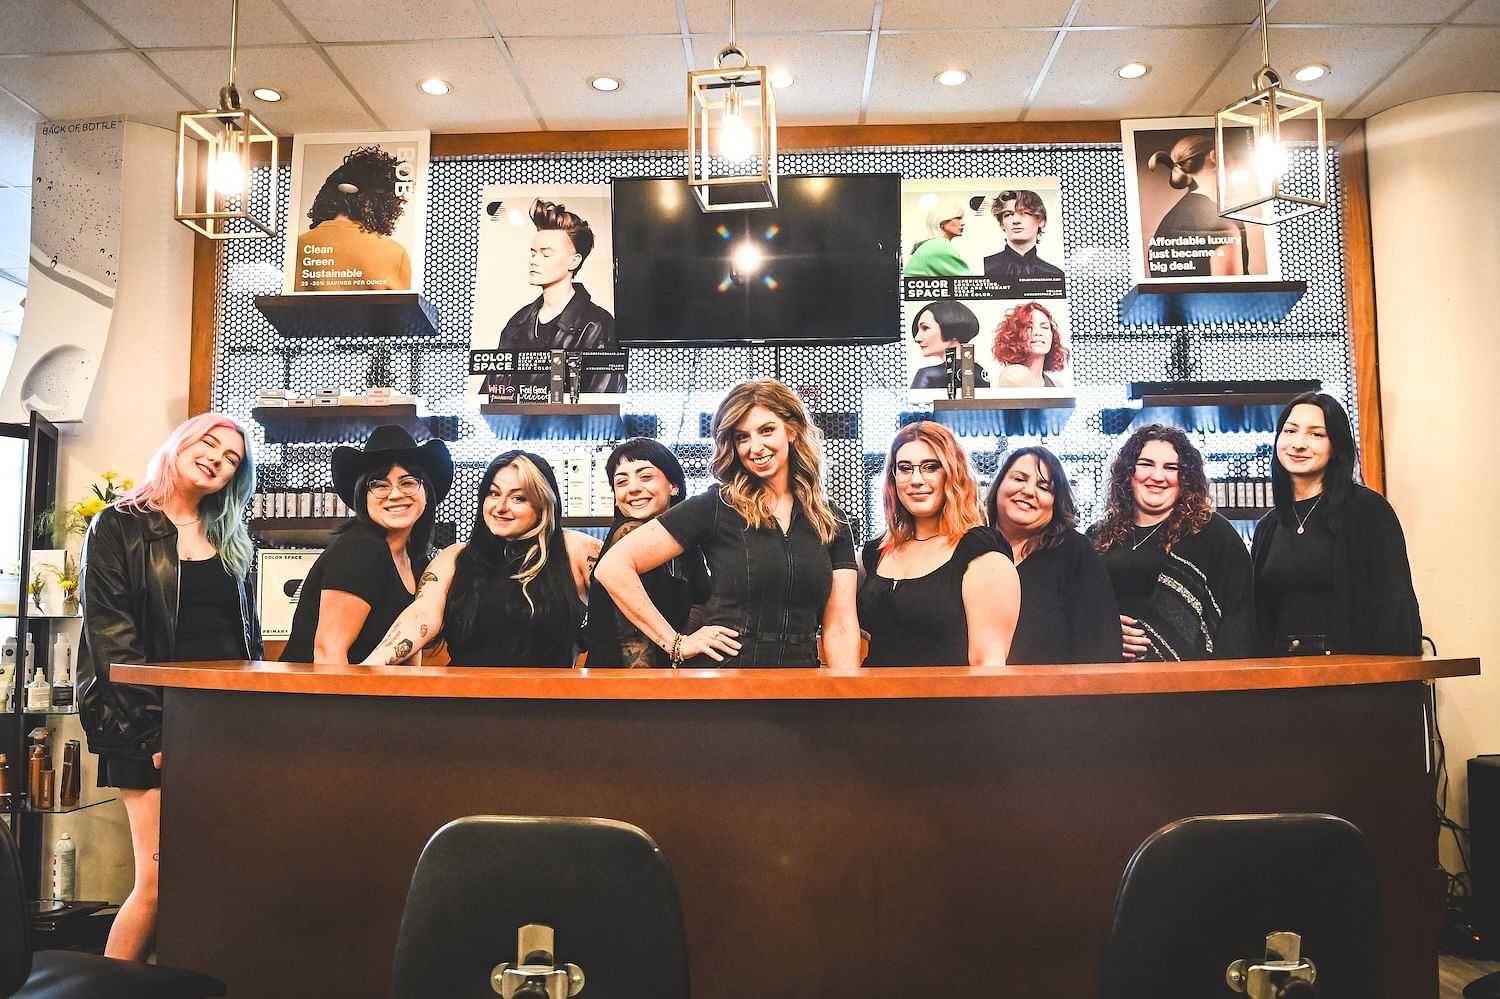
{"x": 215, "y": 151}
{"x": 1257, "y": 178}
{"x": 731, "y": 132}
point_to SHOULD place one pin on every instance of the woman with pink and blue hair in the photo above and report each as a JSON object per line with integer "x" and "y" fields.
{"x": 164, "y": 579}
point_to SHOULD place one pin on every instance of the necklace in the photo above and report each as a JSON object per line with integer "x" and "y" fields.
{"x": 184, "y": 523}
{"x": 928, "y": 538}
{"x": 1302, "y": 521}
{"x": 1137, "y": 545}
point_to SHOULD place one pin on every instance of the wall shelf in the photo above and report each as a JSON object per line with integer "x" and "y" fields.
{"x": 353, "y": 314}
{"x": 347, "y": 424}
{"x": 1242, "y": 512}
{"x": 532, "y": 421}
{"x": 1212, "y": 407}
{"x": 1044, "y": 415}
{"x": 1160, "y": 303}
{"x": 587, "y": 522}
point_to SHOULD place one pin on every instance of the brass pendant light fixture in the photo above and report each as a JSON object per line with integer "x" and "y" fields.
{"x": 731, "y": 132}
{"x": 1256, "y": 182}
{"x": 215, "y": 150}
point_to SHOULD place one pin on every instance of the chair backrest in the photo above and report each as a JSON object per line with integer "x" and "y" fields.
{"x": 603, "y": 886}
{"x": 15, "y": 918}
{"x": 1203, "y": 892}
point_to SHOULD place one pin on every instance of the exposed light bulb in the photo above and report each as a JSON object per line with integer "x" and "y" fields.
{"x": 225, "y": 178}
{"x": 735, "y": 140}
{"x": 1270, "y": 157}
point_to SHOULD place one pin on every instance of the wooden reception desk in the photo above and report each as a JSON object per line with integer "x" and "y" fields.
{"x": 831, "y": 834}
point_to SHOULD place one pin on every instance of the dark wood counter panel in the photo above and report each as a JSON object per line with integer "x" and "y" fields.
{"x": 816, "y": 824}
{"x": 794, "y": 684}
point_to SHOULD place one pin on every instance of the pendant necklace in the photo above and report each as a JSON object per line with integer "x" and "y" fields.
{"x": 1137, "y": 545}
{"x": 1302, "y": 521}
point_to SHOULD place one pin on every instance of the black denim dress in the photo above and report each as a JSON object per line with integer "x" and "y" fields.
{"x": 768, "y": 586}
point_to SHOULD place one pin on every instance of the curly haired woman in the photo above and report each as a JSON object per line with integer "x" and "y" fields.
{"x": 349, "y": 247}
{"x": 1180, "y": 571}
{"x": 1029, "y": 343}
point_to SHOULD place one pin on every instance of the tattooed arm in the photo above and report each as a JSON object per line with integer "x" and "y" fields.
{"x": 421, "y": 622}
{"x": 583, "y": 552}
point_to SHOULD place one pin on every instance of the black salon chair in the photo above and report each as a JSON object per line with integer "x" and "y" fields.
{"x": 602, "y": 887}
{"x": 1203, "y": 893}
{"x": 56, "y": 974}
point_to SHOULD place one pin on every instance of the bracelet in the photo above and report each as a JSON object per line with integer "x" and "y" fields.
{"x": 676, "y": 653}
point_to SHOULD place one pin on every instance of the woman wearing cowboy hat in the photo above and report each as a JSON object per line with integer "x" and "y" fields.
{"x": 368, "y": 576}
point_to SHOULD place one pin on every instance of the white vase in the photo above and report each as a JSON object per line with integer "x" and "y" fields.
{"x": 49, "y": 562}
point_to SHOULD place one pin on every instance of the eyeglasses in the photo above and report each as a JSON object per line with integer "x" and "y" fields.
{"x": 381, "y": 488}
{"x": 905, "y": 469}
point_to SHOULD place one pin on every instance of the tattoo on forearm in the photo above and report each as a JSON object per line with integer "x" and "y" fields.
{"x": 403, "y": 649}
{"x": 637, "y": 653}
{"x": 422, "y": 631}
{"x": 427, "y": 577}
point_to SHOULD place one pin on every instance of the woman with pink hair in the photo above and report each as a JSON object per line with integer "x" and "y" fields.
{"x": 164, "y": 579}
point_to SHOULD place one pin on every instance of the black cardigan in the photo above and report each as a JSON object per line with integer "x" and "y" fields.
{"x": 1374, "y": 605}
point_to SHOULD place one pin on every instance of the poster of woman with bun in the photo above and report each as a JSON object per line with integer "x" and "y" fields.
{"x": 358, "y": 207}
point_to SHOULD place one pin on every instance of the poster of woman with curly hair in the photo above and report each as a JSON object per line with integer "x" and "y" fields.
{"x": 357, "y": 213}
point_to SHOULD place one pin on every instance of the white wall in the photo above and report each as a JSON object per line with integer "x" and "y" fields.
{"x": 1435, "y": 214}
{"x": 139, "y": 396}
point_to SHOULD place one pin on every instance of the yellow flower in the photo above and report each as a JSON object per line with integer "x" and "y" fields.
{"x": 110, "y": 476}
{"x": 67, "y": 585}
{"x": 90, "y": 507}
{"x": 127, "y": 484}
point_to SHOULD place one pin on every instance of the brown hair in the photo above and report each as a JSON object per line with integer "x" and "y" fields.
{"x": 1028, "y": 202}
{"x": 960, "y": 509}
{"x": 1193, "y": 509}
{"x": 551, "y": 215}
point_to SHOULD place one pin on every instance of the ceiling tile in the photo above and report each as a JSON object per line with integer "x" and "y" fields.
{"x": 149, "y": 23}
{"x": 15, "y": 227}
{"x": 1168, "y": 13}
{"x": 17, "y": 140}
{"x": 50, "y": 26}
{"x": 388, "y": 20}
{"x": 584, "y": 17}
{"x": 829, "y": 73}
{"x": 1082, "y": 83}
{"x": 1358, "y": 57}
{"x": 939, "y": 15}
{"x": 1457, "y": 60}
{"x": 485, "y": 97}
{"x": 903, "y": 89}
{"x": 1480, "y": 12}
{"x": 652, "y": 72}
{"x": 313, "y": 98}
{"x": 778, "y": 16}
{"x": 1363, "y": 11}
{"x": 101, "y": 83}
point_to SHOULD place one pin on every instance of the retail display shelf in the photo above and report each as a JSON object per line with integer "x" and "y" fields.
{"x": 529, "y": 421}
{"x": 1242, "y": 512}
{"x": 1161, "y": 303}
{"x": 350, "y": 314}
{"x": 1208, "y": 406}
{"x": 1014, "y": 415}
{"x": 312, "y": 531}
{"x": 584, "y": 522}
{"x": 67, "y": 809}
{"x": 347, "y": 424}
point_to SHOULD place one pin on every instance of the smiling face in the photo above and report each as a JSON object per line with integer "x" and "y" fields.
{"x": 920, "y": 480}
{"x": 396, "y": 500}
{"x": 762, "y": 442}
{"x": 1039, "y": 337}
{"x": 641, "y": 489}
{"x": 1020, "y": 228}
{"x": 929, "y": 336}
{"x": 1154, "y": 483}
{"x": 1303, "y": 447}
{"x": 508, "y": 513}
{"x": 553, "y": 258}
{"x": 207, "y": 464}
{"x": 1024, "y": 503}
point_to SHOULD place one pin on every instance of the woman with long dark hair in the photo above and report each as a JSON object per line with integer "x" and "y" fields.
{"x": 513, "y": 594}
{"x": 780, "y": 554}
{"x": 1331, "y": 572}
{"x": 368, "y": 575}
{"x": 647, "y": 480}
{"x": 1068, "y": 610}
{"x": 938, "y": 588}
{"x": 1180, "y": 571}
{"x": 164, "y": 579}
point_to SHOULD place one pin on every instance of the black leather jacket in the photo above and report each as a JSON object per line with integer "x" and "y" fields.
{"x": 130, "y": 592}
{"x": 581, "y": 325}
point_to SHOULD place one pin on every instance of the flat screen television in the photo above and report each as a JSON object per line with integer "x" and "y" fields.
{"x": 822, "y": 267}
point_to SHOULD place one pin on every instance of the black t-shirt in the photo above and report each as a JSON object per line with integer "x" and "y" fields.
{"x": 208, "y": 613}
{"x": 770, "y": 587}
{"x": 359, "y": 563}
{"x": 1297, "y": 577}
{"x": 921, "y": 621}
{"x": 1068, "y": 611}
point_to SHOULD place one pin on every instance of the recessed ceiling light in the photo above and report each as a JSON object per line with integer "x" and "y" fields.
{"x": 1308, "y": 74}
{"x": 605, "y": 84}
{"x": 1133, "y": 70}
{"x": 782, "y": 78}
{"x": 266, "y": 94}
{"x": 435, "y": 87}
{"x": 953, "y": 77}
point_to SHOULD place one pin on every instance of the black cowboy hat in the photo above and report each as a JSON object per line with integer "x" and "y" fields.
{"x": 391, "y": 445}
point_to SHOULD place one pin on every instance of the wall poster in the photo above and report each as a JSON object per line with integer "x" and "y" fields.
{"x": 279, "y": 573}
{"x": 358, "y": 212}
{"x": 1172, "y": 196}
{"x": 983, "y": 265}
{"x": 544, "y": 282}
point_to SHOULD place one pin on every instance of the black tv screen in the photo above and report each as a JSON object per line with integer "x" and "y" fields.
{"x": 821, "y": 267}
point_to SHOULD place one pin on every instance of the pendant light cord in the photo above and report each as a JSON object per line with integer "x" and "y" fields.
{"x": 229, "y": 96}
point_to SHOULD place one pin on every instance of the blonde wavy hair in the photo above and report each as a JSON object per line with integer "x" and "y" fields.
{"x": 538, "y": 493}
{"x": 961, "y": 509}
{"x": 744, "y": 492}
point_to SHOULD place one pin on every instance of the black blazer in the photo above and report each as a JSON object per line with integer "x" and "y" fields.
{"x": 1374, "y": 603}
{"x": 130, "y": 585}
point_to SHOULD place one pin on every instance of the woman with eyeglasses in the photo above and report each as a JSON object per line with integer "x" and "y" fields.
{"x": 360, "y": 585}
{"x": 938, "y": 588}
{"x": 1180, "y": 571}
